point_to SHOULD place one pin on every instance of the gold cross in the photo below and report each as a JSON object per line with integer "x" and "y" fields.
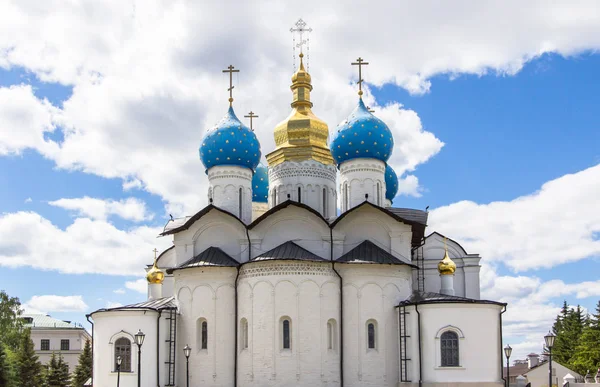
{"x": 251, "y": 115}
{"x": 230, "y": 70}
{"x": 360, "y": 63}
{"x": 155, "y": 251}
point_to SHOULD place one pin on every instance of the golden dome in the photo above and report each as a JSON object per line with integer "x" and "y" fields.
{"x": 302, "y": 135}
{"x": 446, "y": 266}
{"x": 155, "y": 275}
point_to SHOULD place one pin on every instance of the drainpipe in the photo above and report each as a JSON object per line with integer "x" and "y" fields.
{"x": 420, "y": 350}
{"x": 341, "y": 309}
{"x": 87, "y": 316}
{"x": 501, "y": 342}
{"x": 158, "y": 349}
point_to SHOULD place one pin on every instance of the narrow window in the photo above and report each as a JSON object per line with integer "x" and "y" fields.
{"x": 299, "y": 195}
{"x": 371, "y": 336}
{"x": 240, "y": 200}
{"x": 449, "y": 349}
{"x": 274, "y": 197}
{"x": 244, "y": 333}
{"x": 45, "y": 345}
{"x": 378, "y": 194}
{"x": 123, "y": 349}
{"x": 286, "y": 334}
{"x": 204, "y": 335}
{"x": 345, "y": 196}
{"x": 325, "y": 202}
{"x": 64, "y": 345}
{"x": 331, "y": 334}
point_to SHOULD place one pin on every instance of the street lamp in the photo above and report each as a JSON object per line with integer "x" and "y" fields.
{"x": 549, "y": 338}
{"x": 119, "y": 361}
{"x": 139, "y": 340}
{"x": 186, "y": 351}
{"x": 507, "y": 352}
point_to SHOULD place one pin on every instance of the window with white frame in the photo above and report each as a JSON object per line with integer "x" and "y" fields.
{"x": 371, "y": 334}
{"x": 449, "y": 349}
{"x": 123, "y": 349}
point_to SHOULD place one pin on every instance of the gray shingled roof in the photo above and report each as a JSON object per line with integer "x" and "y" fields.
{"x": 410, "y": 214}
{"x": 288, "y": 250}
{"x": 438, "y": 298}
{"x": 157, "y": 304}
{"x": 369, "y": 252}
{"x": 211, "y": 257}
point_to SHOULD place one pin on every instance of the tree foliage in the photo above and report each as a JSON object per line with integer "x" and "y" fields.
{"x": 83, "y": 371}
{"x": 11, "y": 323}
{"x": 57, "y": 373}
{"x": 29, "y": 369}
{"x": 587, "y": 352}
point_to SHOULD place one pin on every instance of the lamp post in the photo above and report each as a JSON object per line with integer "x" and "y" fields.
{"x": 139, "y": 340}
{"x": 549, "y": 338}
{"x": 507, "y": 352}
{"x": 119, "y": 361}
{"x": 186, "y": 351}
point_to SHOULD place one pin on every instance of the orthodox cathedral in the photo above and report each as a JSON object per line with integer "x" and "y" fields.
{"x": 303, "y": 273}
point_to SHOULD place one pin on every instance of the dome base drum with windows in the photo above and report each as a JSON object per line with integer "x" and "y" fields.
{"x": 269, "y": 285}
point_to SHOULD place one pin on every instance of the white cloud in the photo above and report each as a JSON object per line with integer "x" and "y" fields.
{"x": 53, "y": 303}
{"x": 131, "y": 208}
{"x": 85, "y": 246}
{"x": 119, "y": 291}
{"x": 28, "y": 200}
{"x": 140, "y": 285}
{"x": 110, "y": 304}
{"x": 555, "y": 225}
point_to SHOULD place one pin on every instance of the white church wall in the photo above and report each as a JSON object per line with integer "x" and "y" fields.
{"x": 372, "y": 224}
{"x": 480, "y": 348}
{"x": 207, "y": 294}
{"x": 214, "y": 229}
{"x": 359, "y": 177}
{"x": 311, "y": 177}
{"x": 466, "y": 277}
{"x": 371, "y": 293}
{"x": 291, "y": 224}
{"x": 231, "y": 187}
{"x": 109, "y": 327}
{"x": 306, "y": 293}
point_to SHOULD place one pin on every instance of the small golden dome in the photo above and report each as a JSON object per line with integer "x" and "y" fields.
{"x": 446, "y": 266}
{"x": 155, "y": 275}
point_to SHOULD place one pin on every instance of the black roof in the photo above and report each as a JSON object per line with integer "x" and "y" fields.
{"x": 195, "y": 217}
{"x": 369, "y": 252}
{"x": 411, "y": 214}
{"x": 211, "y": 257}
{"x": 157, "y": 304}
{"x": 288, "y": 251}
{"x": 419, "y": 298}
{"x": 283, "y": 205}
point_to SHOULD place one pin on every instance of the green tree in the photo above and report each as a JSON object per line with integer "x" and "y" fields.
{"x": 29, "y": 369}
{"x": 568, "y": 328}
{"x": 83, "y": 371}
{"x": 11, "y": 323}
{"x": 587, "y": 352}
{"x": 57, "y": 374}
{"x": 4, "y": 368}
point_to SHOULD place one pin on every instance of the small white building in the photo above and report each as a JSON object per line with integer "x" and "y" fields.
{"x": 537, "y": 374}
{"x": 51, "y": 335}
{"x": 270, "y": 286}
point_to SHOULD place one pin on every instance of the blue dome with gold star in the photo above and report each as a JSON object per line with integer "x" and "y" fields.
{"x": 260, "y": 184}
{"x": 362, "y": 135}
{"x": 230, "y": 143}
{"x": 391, "y": 183}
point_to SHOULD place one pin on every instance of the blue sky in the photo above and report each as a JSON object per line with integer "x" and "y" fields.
{"x": 519, "y": 131}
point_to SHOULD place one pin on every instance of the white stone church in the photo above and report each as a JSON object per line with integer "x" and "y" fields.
{"x": 302, "y": 273}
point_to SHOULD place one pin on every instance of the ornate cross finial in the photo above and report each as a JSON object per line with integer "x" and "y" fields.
{"x": 230, "y": 70}
{"x": 155, "y": 252}
{"x": 360, "y": 63}
{"x": 300, "y": 29}
{"x": 251, "y": 115}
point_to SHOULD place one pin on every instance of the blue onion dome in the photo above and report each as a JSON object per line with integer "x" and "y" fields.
{"x": 230, "y": 143}
{"x": 391, "y": 183}
{"x": 260, "y": 184}
{"x": 362, "y": 135}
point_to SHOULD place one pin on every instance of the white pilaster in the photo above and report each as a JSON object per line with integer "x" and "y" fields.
{"x": 360, "y": 180}
{"x": 230, "y": 188}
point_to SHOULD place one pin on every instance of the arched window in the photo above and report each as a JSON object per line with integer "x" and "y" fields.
{"x": 201, "y": 334}
{"x": 244, "y": 334}
{"x": 331, "y": 334}
{"x": 299, "y": 195}
{"x": 241, "y": 193}
{"x": 325, "y": 202}
{"x": 286, "y": 333}
{"x": 378, "y": 194}
{"x": 371, "y": 334}
{"x": 123, "y": 349}
{"x": 449, "y": 349}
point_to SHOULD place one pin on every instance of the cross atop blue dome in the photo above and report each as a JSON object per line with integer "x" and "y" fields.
{"x": 260, "y": 184}
{"x": 362, "y": 135}
{"x": 230, "y": 143}
{"x": 391, "y": 183}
